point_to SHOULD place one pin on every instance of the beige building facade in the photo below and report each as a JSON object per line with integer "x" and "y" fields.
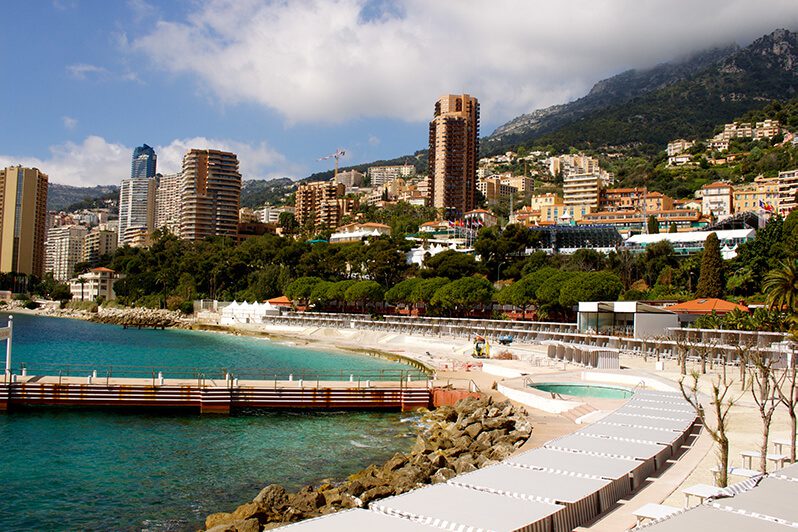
{"x": 453, "y": 155}
{"x": 63, "y": 250}
{"x": 210, "y": 194}
{"x": 167, "y": 203}
{"x": 23, "y": 214}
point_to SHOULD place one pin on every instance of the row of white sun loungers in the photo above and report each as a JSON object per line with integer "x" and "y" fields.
{"x": 564, "y": 484}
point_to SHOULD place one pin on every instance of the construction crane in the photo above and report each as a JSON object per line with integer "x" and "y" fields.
{"x": 337, "y": 155}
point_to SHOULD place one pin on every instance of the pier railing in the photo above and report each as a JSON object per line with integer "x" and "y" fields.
{"x": 206, "y": 376}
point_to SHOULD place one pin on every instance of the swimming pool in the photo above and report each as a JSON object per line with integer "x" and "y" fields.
{"x": 583, "y": 390}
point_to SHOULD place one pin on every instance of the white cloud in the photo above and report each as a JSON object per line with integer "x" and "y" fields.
{"x": 256, "y": 161}
{"x": 374, "y": 140}
{"x": 96, "y": 161}
{"x": 334, "y": 60}
{"x": 69, "y": 122}
{"x": 84, "y": 71}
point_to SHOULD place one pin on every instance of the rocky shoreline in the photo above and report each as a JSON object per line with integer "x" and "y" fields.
{"x": 452, "y": 440}
{"x": 128, "y": 317}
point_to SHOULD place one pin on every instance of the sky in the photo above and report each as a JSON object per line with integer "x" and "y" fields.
{"x": 284, "y": 83}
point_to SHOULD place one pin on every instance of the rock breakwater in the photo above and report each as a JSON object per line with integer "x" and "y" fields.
{"x": 473, "y": 433}
{"x": 140, "y": 317}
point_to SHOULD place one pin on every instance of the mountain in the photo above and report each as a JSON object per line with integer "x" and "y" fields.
{"x": 418, "y": 159}
{"x": 647, "y": 108}
{"x": 60, "y": 197}
{"x": 606, "y": 93}
{"x": 256, "y": 192}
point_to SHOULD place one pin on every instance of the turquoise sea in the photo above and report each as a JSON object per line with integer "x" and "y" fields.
{"x": 66, "y": 469}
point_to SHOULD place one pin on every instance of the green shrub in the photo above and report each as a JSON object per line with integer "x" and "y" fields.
{"x": 31, "y": 305}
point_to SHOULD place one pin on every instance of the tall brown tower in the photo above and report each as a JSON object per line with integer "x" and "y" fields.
{"x": 453, "y": 147}
{"x": 210, "y": 194}
{"x": 23, "y": 213}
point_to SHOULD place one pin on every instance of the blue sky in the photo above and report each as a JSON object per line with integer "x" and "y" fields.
{"x": 284, "y": 83}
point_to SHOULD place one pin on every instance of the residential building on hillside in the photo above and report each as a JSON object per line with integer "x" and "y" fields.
{"x": 167, "y": 203}
{"x": 788, "y": 191}
{"x": 23, "y": 214}
{"x": 453, "y": 148}
{"x": 210, "y": 194}
{"x": 350, "y": 178}
{"x": 97, "y": 243}
{"x": 494, "y": 190}
{"x": 136, "y": 207}
{"x": 717, "y": 199}
{"x": 538, "y": 201}
{"x": 760, "y": 130}
{"x": 618, "y": 199}
{"x": 96, "y": 283}
{"x": 323, "y": 204}
{"x": 761, "y": 195}
{"x": 379, "y": 175}
{"x": 582, "y": 189}
{"x": 521, "y": 183}
{"x": 657, "y": 201}
{"x": 269, "y": 214}
{"x": 526, "y": 216}
{"x": 144, "y": 162}
{"x": 680, "y": 160}
{"x": 573, "y": 164}
{"x": 675, "y": 147}
{"x": 63, "y": 249}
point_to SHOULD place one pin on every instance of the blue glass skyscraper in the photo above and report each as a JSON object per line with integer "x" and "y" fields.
{"x": 144, "y": 160}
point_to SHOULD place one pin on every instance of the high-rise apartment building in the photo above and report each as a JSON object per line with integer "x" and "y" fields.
{"x": 453, "y": 147}
{"x": 98, "y": 242}
{"x": 582, "y": 189}
{"x": 63, "y": 249}
{"x": 23, "y": 212}
{"x": 136, "y": 208}
{"x": 144, "y": 162}
{"x": 210, "y": 194}
{"x": 320, "y": 203}
{"x": 167, "y": 203}
{"x": 788, "y": 191}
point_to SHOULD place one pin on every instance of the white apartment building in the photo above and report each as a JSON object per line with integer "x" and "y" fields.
{"x": 167, "y": 203}
{"x": 97, "y": 282}
{"x": 136, "y": 207}
{"x": 788, "y": 191}
{"x": 380, "y": 175}
{"x": 675, "y": 147}
{"x": 717, "y": 199}
{"x": 63, "y": 249}
{"x": 269, "y": 214}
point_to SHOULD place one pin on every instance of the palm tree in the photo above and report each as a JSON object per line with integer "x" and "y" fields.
{"x": 781, "y": 287}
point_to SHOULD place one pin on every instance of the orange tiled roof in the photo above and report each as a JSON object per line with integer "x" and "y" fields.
{"x": 102, "y": 269}
{"x": 706, "y": 305}
{"x": 280, "y": 301}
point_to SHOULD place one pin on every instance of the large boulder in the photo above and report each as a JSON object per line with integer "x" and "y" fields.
{"x": 272, "y": 497}
{"x": 241, "y": 525}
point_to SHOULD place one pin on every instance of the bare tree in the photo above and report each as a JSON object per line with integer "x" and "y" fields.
{"x": 764, "y": 383}
{"x": 721, "y": 403}
{"x": 684, "y": 346}
{"x": 788, "y": 396}
{"x": 704, "y": 350}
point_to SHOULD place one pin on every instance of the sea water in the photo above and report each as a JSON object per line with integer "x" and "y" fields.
{"x": 63, "y": 469}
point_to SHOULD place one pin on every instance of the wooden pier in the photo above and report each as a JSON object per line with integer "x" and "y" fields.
{"x": 211, "y": 396}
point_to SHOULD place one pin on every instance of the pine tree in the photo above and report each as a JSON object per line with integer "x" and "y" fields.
{"x": 711, "y": 282}
{"x": 653, "y": 225}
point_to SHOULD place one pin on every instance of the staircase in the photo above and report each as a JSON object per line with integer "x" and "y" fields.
{"x": 575, "y": 413}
